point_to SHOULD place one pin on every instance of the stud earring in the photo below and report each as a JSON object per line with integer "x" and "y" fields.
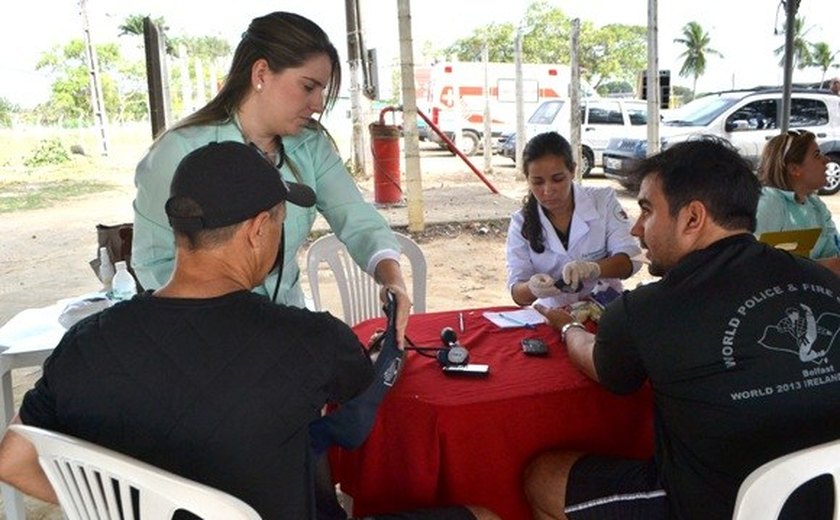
{"x": 259, "y": 87}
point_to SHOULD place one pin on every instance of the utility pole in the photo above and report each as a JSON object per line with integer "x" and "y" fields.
{"x": 520, "y": 101}
{"x": 354, "y": 58}
{"x": 653, "y": 79}
{"x": 97, "y": 101}
{"x": 791, "y": 6}
{"x": 414, "y": 183}
{"x": 156, "y": 78}
{"x": 488, "y": 130}
{"x": 574, "y": 99}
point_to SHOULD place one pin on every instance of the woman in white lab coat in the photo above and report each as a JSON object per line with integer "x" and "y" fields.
{"x": 566, "y": 237}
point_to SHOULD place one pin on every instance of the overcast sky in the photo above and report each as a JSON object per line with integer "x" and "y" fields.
{"x": 743, "y": 30}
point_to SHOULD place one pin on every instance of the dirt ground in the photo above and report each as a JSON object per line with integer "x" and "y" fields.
{"x": 44, "y": 254}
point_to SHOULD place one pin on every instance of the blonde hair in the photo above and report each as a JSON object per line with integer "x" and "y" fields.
{"x": 779, "y": 153}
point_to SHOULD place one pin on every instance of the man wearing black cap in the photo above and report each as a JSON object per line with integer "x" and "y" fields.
{"x": 203, "y": 377}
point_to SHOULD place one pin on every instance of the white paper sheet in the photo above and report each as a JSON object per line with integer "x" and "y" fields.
{"x": 527, "y": 317}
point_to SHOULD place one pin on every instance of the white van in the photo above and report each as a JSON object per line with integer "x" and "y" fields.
{"x": 601, "y": 119}
{"x": 456, "y": 97}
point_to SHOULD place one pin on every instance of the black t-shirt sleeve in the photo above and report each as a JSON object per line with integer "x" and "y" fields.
{"x": 39, "y": 407}
{"x": 615, "y": 355}
{"x": 353, "y": 370}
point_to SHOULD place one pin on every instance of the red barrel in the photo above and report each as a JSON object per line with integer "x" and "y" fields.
{"x": 385, "y": 144}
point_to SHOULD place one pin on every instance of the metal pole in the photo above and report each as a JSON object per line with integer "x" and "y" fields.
{"x": 157, "y": 80}
{"x": 574, "y": 99}
{"x": 520, "y": 101}
{"x": 652, "y": 80}
{"x": 791, "y": 7}
{"x": 354, "y": 60}
{"x": 97, "y": 100}
{"x": 454, "y": 149}
{"x": 413, "y": 180}
{"x": 488, "y": 130}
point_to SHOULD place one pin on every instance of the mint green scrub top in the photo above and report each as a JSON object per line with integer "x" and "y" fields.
{"x": 358, "y": 225}
{"x": 778, "y": 210}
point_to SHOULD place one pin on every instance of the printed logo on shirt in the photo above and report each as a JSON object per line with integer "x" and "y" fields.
{"x": 799, "y": 333}
{"x": 620, "y": 215}
{"x": 595, "y": 255}
{"x": 796, "y": 332}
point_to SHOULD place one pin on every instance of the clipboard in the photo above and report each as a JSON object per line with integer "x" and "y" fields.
{"x": 799, "y": 242}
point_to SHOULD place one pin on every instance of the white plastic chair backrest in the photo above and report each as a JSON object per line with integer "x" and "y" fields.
{"x": 765, "y": 490}
{"x": 358, "y": 291}
{"x": 91, "y": 482}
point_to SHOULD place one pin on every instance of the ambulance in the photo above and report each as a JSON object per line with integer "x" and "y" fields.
{"x": 456, "y": 97}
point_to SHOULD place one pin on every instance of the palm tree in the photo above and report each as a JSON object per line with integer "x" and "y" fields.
{"x": 822, "y": 57}
{"x": 696, "y": 42}
{"x": 801, "y": 46}
{"x": 133, "y": 26}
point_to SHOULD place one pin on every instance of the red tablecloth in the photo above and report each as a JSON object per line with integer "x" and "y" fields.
{"x": 443, "y": 439}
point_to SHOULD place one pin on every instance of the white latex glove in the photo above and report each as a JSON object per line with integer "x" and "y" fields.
{"x": 542, "y": 286}
{"x": 577, "y": 271}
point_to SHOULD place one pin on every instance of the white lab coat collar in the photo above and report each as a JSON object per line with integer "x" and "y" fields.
{"x": 584, "y": 212}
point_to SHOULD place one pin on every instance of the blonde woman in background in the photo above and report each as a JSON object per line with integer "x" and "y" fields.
{"x": 791, "y": 171}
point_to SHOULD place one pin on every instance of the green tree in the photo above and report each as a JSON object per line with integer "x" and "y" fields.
{"x": 612, "y": 52}
{"x": 801, "y": 46}
{"x": 681, "y": 95}
{"x": 696, "y": 42}
{"x": 548, "y": 32}
{"x": 823, "y": 58}
{"x": 207, "y": 49}
{"x": 70, "y": 100}
{"x": 133, "y": 26}
{"x": 7, "y": 108}
{"x": 131, "y": 102}
{"x": 616, "y": 87}
{"x": 497, "y": 37}
{"x": 71, "y": 95}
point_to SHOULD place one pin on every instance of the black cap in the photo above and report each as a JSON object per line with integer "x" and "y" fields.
{"x": 230, "y": 182}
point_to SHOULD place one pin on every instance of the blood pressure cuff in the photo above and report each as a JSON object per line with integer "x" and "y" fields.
{"x": 351, "y": 423}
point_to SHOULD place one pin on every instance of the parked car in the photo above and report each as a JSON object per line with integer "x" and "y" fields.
{"x": 747, "y": 119}
{"x": 423, "y": 130}
{"x": 601, "y": 119}
{"x": 506, "y": 145}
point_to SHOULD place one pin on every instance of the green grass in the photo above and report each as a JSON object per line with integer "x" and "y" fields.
{"x": 25, "y": 187}
{"x": 17, "y": 196}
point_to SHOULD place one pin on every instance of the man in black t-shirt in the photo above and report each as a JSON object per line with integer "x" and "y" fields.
{"x": 204, "y": 378}
{"x": 736, "y": 340}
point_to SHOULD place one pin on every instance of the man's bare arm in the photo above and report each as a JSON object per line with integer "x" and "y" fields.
{"x": 19, "y": 467}
{"x": 579, "y": 342}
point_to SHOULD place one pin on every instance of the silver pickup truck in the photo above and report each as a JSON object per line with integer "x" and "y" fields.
{"x": 747, "y": 119}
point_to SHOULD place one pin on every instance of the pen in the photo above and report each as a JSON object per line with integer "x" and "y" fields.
{"x": 461, "y": 320}
{"x": 518, "y": 322}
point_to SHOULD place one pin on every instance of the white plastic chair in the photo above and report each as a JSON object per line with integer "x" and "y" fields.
{"x": 358, "y": 291}
{"x": 91, "y": 481}
{"x": 765, "y": 490}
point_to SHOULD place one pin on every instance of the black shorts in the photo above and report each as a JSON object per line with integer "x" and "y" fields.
{"x": 605, "y": 488}
{"x": 436, "y": 513}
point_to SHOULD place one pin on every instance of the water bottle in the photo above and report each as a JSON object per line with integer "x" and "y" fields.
{"x": 106, "y": 269}
{"x": 123, "y": 286}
